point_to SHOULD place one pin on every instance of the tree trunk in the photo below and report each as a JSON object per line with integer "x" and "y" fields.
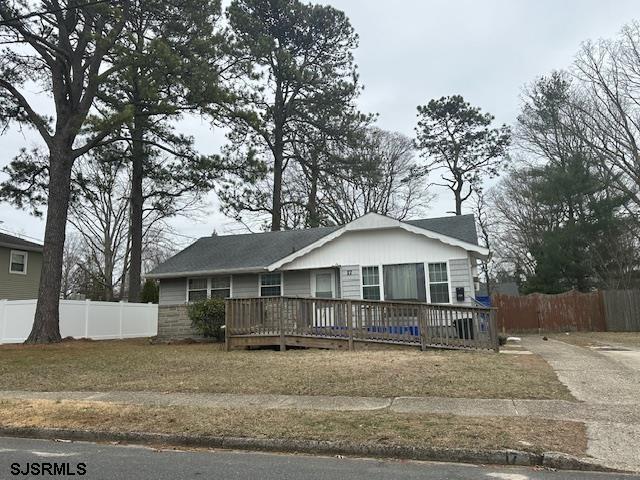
{"x": 312, "y": 202}
{"x": 457, "y": 192}
{"x": 46, "y": 322}
{"x": 137, "y": 200}
{"x": 278, "y": 159}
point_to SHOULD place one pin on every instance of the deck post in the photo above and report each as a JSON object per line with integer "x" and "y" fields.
{"x": 422, "y": 325}
{"x": 350, "y": 324}
{"x": 283, "y": 343}
{"x": 493, "y": 325}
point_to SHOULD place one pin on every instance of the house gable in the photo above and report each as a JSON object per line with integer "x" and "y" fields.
{"x": 370, "y": 225}
{"x": 376, "y": 247}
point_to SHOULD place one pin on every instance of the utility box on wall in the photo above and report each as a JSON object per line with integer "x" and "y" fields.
{"x": 460, "y": 294}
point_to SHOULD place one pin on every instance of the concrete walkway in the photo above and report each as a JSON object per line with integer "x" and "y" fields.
{"x": 469, "y": 407}
{"x": 605, "y": 380}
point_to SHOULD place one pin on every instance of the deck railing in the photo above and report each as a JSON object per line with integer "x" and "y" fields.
{"x": 343, "y": 323}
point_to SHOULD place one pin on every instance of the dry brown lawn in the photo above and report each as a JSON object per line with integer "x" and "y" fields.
{"x": 589, "y": 339}
{"x": 447, "y": 431}
{"x": 138, "y": 365}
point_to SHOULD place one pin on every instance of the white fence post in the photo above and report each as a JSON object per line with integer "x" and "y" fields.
{"x": 120, "y": 322}
{"x": 3, "y": 320}
{"x": 86, "y": 318}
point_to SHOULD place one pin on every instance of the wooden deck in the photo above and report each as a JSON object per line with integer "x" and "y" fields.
{"x": 354, "y": 324}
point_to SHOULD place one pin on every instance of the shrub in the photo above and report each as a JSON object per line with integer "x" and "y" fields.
{"x": 207, "y": 317}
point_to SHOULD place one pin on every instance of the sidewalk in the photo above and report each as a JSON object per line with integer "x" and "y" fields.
{"x": 469, "y": 407}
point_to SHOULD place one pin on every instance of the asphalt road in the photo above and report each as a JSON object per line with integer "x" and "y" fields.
{"x": 115, "y": 462}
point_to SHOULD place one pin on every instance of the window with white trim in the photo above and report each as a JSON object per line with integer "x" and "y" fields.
{"x": 370, "y": 283}
{"x": 271, "y": 284}
{"x": 438, "y": 282}
{"x": 18, "y": 262}
{"x": 196, "y": 289}
{"x": 221, "y": 287}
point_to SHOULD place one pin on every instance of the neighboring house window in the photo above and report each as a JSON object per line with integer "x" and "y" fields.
{"x": 404, "y": 282}
{"x": 438, "y": 282}
{"x": 221, "y": 287}
{"x": 18, "y": 262}
{"x": 270, "y": 285}
{"x": 197, "y": 289}
{"x": 370, "y": 283}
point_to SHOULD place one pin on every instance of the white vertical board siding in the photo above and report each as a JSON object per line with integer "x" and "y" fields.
{"x": 173, "y": 291}
{"x": 350, "y": 282}
{"x": 82, "y": 319}
{"x": 296, "y": 283}
{"x": 382, "y": 247}
{"x": 460, "y": 276}
{"x": 245, "y": 286}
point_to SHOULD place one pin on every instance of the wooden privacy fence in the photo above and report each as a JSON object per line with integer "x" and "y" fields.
{"x": 343, "y": 324}
{"x": 605, "y": 310}
{"x": 621, "y": 310}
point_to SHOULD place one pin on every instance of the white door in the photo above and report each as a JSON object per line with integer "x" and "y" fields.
{"x": 323, "y": 285}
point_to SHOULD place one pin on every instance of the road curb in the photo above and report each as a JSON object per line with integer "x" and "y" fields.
{"x": 493, "y": 457}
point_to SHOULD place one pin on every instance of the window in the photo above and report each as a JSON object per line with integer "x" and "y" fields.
{"x": 18, "y": 263}
{"x": 196, "y": 289}
{"x": 270, "y": 285}
{"x": 404, "y": 282}
{"x": 324, "y": 285}
{"x": 370, "y": 283}
{"x": 221, "y": 287}
{"x": 438, "y": 283}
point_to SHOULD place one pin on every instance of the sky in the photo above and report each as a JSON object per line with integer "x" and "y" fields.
{"x": 410, "y": 52}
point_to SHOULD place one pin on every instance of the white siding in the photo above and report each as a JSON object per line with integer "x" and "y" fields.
{"x": 296, "y": 284}
{"x": 460, "y": 276}
{"x": 173, "y": 291}
{"x": 350, "y": 281}
{"x": 383, "y": 247}
{"x": 245, "y": 285}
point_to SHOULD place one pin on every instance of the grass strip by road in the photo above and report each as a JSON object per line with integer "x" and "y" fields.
{"x": 138, "y": 366}
{"x": 369, "y": 428}
{"x": 595, "y": 339}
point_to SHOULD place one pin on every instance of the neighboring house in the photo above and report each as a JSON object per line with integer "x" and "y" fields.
{"x": 373, "y": 257}
{"x": 20, "y": 264}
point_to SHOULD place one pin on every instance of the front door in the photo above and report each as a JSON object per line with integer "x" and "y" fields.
{"x": 323, "y": 285}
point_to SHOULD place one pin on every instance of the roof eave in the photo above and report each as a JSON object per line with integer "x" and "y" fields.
{"x": 199, "y": 273}
{"x": 23, "y": 248}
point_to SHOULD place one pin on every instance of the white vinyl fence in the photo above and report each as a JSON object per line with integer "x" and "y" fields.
{"x": 82, "y": 319}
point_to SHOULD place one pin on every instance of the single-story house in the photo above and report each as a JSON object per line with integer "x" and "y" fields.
{"x": 374, "y": 257}
{"x": 20, "y": 264}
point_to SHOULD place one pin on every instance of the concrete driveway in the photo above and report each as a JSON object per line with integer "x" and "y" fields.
{"x": 603, "y": 378}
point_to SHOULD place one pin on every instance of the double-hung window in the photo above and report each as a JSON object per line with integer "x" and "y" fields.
{"x": 221, "y": 287}
{"x": 197, "y": 289}
{"x": 18, "y": 262}
{"x": 270, "y": 285}
{"x": 370, "y": 283}
{"x": 438, "y": 282}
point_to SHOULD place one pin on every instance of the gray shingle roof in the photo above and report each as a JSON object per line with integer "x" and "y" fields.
{"x": 462, "y": 227}
{"x": 9, "y": 241}
{"x": 255, "y": 251}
